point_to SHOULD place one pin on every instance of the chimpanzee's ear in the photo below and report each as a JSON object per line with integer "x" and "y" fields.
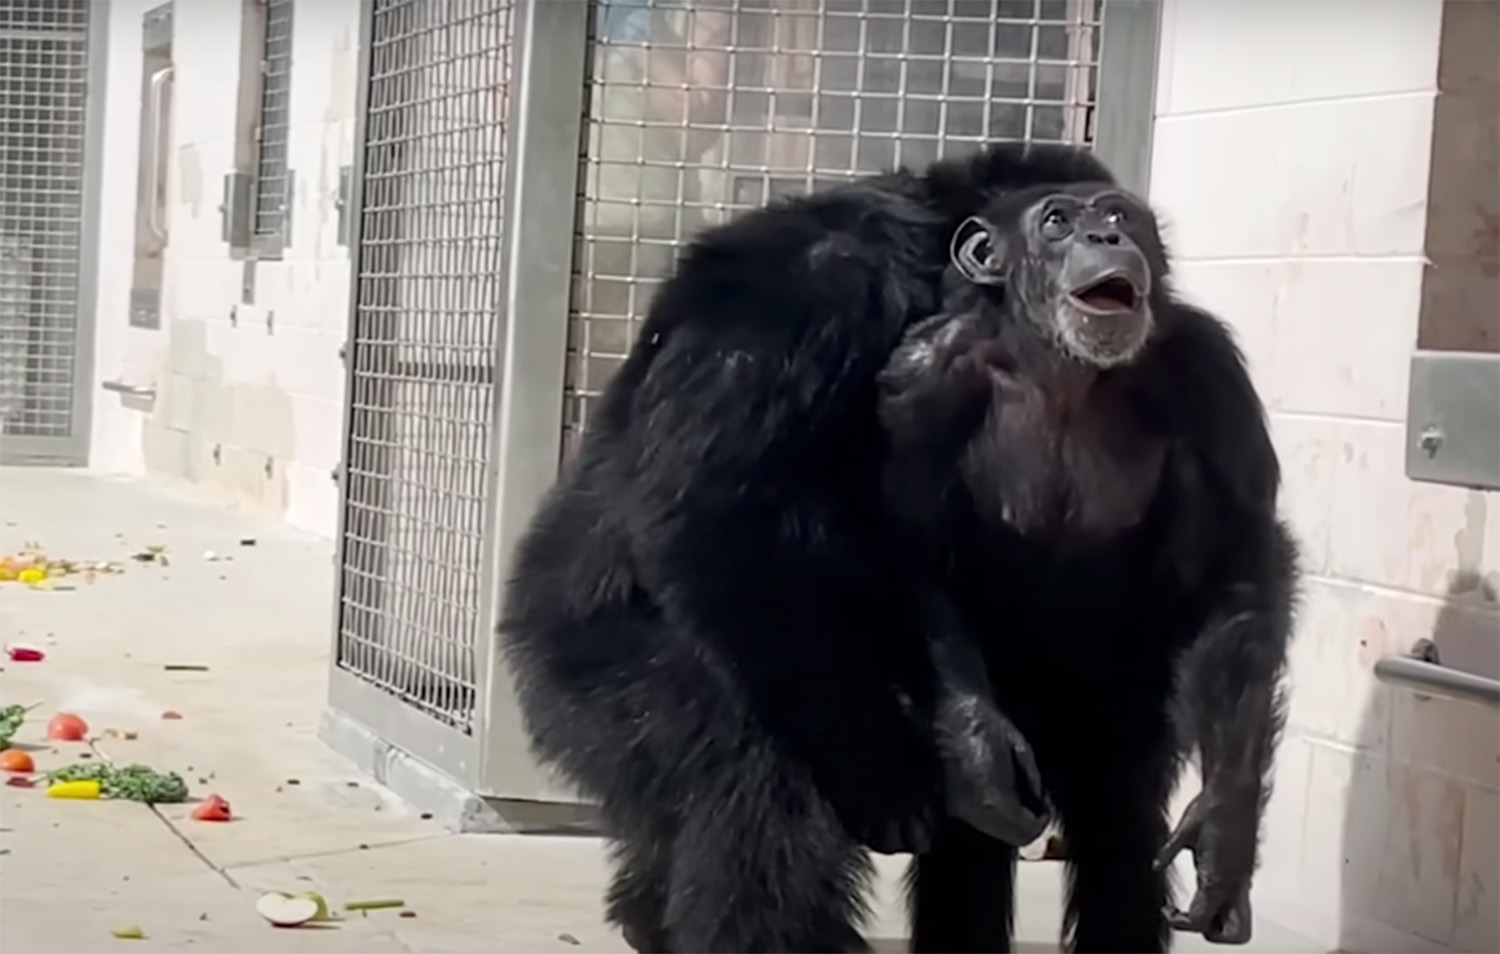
{"x": 974, "y": 252}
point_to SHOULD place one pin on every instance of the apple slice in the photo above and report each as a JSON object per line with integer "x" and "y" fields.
{"x": 285, "y": 910}
{"x": 322, "y": 903}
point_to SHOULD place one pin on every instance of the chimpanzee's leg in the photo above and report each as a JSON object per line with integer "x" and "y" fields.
{"x": 961, "y": 893}
{"x": 637, "y": 896}
{"x": 1114, "y": 816}
{"x": 762, "y": 864}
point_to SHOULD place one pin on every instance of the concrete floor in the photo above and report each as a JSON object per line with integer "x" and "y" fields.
{"x": 73, "y": 871}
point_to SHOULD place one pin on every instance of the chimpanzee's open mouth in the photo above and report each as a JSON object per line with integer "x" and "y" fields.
{"x": 1112, "y": 294}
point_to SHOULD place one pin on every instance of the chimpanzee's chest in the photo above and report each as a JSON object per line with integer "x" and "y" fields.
{"x": 1080, "y": 461}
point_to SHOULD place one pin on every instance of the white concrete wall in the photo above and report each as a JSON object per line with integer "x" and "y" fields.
{"x": 1291, "y": 161}
{"x": 269, "y": 399}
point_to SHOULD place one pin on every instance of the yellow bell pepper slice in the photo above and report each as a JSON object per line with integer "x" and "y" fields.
{"x": 86, "y": 788}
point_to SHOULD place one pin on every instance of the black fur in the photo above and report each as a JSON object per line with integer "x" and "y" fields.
{"x": 708, "y": 634}
{"x": 1108, "y": 531}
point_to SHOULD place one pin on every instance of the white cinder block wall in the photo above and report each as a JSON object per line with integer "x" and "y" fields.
{"x": 1291, "y": 159}
{"x": 268, "y": 397}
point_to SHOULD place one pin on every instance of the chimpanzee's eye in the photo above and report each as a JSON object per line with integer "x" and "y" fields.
{"x": 1114, "y": 216}
{"x": 1056, "y": 223}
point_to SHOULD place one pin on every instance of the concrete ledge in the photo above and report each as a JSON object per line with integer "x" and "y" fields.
{"x": 450, "y": 804}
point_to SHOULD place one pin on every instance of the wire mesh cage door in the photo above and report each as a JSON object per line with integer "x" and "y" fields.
{"x": 700, "y": 108}
{"x": 425, "y": 321}
{"x": 44, "y": 127}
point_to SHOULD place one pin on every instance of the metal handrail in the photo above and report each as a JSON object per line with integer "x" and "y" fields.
{"x": 155, "y": 111}
{"x": 1420, "y": 670}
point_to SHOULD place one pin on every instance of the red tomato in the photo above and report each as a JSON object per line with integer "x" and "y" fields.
{"x": 15, "y": 760}
{"x": 67, "y": 727}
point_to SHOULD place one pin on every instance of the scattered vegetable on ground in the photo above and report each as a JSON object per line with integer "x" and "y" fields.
{"x": 131, "y": 783}
{"x": 212, "y": 809}
{"x": 11, "y": 719}
{"x": 292, "y": 910}
{"x": 375, "y": 905}
{"x": 17, "y": 760}
{"x": 83, "y": 788}
{"x": 33, "y": 567}
{"x": 67, "y": 727}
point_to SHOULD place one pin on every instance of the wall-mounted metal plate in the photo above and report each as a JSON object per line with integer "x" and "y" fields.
{"x": 237, "y": 210}
{"x": 156, "y": 28}
{"x": 1453, "y": 419}
{"x": 145, "y": 308}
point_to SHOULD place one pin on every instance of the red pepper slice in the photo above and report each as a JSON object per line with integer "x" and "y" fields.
{"x": 212, "y": 809}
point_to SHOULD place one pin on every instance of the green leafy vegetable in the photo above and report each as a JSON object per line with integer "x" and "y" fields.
{"x": 11, "y": 718}
{"x": 132, "y": 783}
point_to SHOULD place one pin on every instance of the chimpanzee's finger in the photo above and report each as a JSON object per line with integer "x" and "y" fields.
{"x": 1183, "y": 836}
{"x": 1233, "y": 924}
{"x": 1181, "y": 920}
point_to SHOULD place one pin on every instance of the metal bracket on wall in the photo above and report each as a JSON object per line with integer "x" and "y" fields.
{"x": 237, "y": 210}
{"x": 341, "y": 203}
{"x": 127, "y": 389}
{"x": 137, "y": 397}
{"x": 1453, "y": 419}
{"x": 247, "y": 282}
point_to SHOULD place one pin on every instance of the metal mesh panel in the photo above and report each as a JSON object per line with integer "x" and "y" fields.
{"x": 423, "y": 347}
{"x": 701, "y": 107}
{"x": 275, "y": 120}
{"x": 43, "y": 82}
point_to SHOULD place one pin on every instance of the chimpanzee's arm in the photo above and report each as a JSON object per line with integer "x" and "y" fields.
{"x": 992, "y": 780}
{"x": 1230, "y": 679}
{"x": 1229, "y": 697}
{"x": 1231, "y": 706}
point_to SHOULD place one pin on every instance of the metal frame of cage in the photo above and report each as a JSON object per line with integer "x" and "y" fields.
{"x": 47, "y": 333}
{"x": 478, "y": 741}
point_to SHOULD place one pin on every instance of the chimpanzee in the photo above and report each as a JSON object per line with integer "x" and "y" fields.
{"x": 711, "y": 632}
{"x": 1083, "y": 463}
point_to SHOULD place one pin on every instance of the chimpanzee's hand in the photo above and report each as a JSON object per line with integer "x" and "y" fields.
{"x": 886, "y": 790}
{"x": 1222, "y": 840}
{"x": 905, "y": 831}
{"x": 892, "y": 808}
{"x": 992, "y": 780}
